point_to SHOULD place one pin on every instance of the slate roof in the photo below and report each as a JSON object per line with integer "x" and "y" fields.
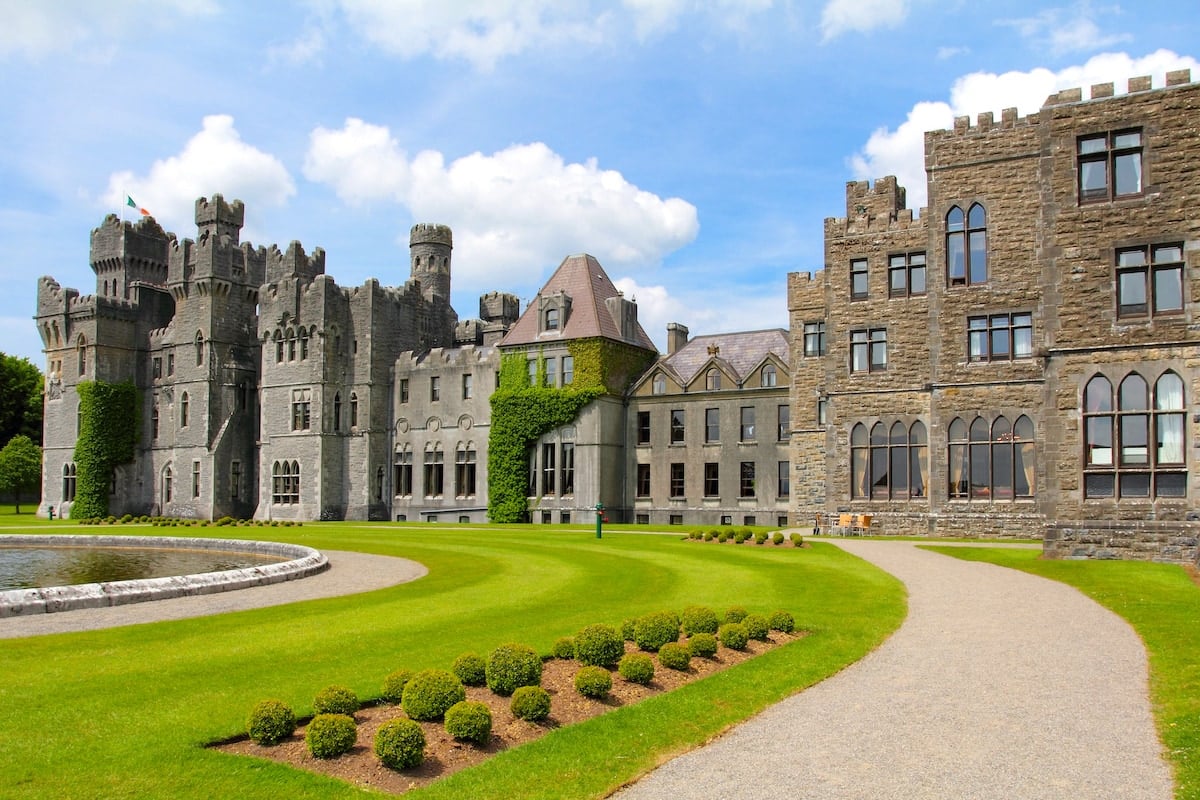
{"x": 588, "y": 285}
{"x": 739, "y": 353}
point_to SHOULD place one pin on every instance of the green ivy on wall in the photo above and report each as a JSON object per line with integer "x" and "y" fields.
{"x": 522, "y": 411}
{"x": 108, "y": 420}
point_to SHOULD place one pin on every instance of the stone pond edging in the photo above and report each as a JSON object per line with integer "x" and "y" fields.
{"x": 304, "y": 561}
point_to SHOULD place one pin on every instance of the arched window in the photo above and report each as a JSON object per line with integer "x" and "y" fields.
{"x": 1135, "y": 448}
{"x": 860, "y": 457}
{"x": 551, "y": 319}
{"x": 379, "y": 484}
{"x": 712, "y": 380}
{"x": 168, "y": 477}
{"x": 81, "y": 351}
{"x": 353, "y": 410}
{"x": 68, "y": 485}
{"x": 291, "y": 344}
{"x": 199, "y": 349}
{"x": 403, "y": 472}
{"x": 278, "y": 347}
{"x": 285, "y": 482}
{"x": 337, "y": 412}
{"x": 434, "y": 471}
{"x": 889, "y": 462}
{"x": 991, "y": 462}
{"x": 769, "y": 376}
{"x": 659, "y": 384}
{"x": 966, "y": 246}
{"x": 303, "y": 344}
{"x": 183, "y": 410}
{"x": 154, "y": 424}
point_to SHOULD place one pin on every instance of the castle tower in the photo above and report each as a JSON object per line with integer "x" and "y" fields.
{"x": 429, "y": 248}
{"x": 215, "y": 216}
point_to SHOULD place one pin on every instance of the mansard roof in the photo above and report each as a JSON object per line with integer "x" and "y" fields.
{"x": 587, "y": 284}
{"x": 738, "y": 354}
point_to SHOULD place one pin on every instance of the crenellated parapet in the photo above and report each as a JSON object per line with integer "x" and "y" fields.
{"x": 1100, "y": 91}
{"x": 293, "y": 263}
{"x": 216, "y": 217}
{"x": 878, "y": 208}
{"x": 806, "y": 290}
{"x": 499, "y": 307}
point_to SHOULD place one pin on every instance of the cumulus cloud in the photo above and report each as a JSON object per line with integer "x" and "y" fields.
{"x": 214, "y": 160}
{"x": 861, "y": 16}
{"x": 901, "y": 151}
{"x": 518, "y": 208}
{"x": 1067, "y": 30}
{"x": 37, "y": 30}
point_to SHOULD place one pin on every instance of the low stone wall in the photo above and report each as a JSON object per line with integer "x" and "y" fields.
{"x": 1169, "y": 542}
{"x": 304, "y": 561}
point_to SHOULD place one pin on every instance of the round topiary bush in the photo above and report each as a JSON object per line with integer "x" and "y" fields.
{"x": 698, "y": 619}
{"x": 702, "y": 645}
{"x": 782, "y": 621}
{"x": 797, "y": 540}
{"x": 593, "y": 681}
{"x": 741, "y": 536}
{"x": 637, "y": 668}
{"x": 430, "y": 693}
{"x": 733, "y": 635}
{"x": 757, "y": 627}
{"x": 723, "y": 537}
{"x": 471, "y": 669}
{"x": 710, "y": 535}
{"x": 393, "y": 685}
{"x": 777, "y": 538}
{"x": 530, "y": 703}
{"x": 599, "y": 646}
{"x": 735, "y": 614}
{"x": 270, "y": 722}
{"x": 628, "y": 627}
{"x": 563, "y": 648}
{"x": 469, "y": 721}
{"x": 330, "y": 735}
{"x": 673, "y": 655}
{"x": 656, "y": 629}
{"x": 760, "y": 537}
{"x": 336, "y": 700}
{"x": 400, "y": 744}
{"x": 513, "y": 665}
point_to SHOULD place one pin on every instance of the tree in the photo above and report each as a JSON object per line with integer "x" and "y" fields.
{"x": 20, "y": 467}
{"x": 20, "y": 399}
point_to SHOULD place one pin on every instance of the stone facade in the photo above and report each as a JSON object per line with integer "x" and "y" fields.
{"x": 1024, "y": 351}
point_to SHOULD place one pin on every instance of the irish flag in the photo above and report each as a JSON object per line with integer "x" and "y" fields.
{"x": 129, "y": 202}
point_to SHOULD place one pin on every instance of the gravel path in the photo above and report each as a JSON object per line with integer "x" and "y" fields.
{"x": 348, "y": 573}
{"x": 998, "y": 685}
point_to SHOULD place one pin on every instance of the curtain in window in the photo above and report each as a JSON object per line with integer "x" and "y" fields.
{"x": 1023, "y": 434}
{"x": 919, "y": 453}
{"x": 1168, "y": 396}
{"x": 859, "y": 455}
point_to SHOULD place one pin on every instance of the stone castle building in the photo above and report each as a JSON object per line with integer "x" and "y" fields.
{"x": 1018, "y": 359}
{"x": 1024, "y": 353}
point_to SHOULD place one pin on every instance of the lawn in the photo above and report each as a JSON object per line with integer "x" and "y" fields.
{"x": 125, "y": 712}
{"x": 1162, "y": 603}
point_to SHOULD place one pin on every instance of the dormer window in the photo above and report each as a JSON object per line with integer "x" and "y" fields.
{"x": 659, "y": 385}
{"x": 551, "y": 319}
{"x": 712, "y": 380}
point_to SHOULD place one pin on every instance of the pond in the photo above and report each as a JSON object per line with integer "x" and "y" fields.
{"x": 32, "y": 567}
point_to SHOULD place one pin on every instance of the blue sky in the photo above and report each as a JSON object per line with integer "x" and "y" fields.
{"x": 694, "y": 147}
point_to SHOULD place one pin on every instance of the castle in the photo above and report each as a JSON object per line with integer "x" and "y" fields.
{"x": 1019, "y": 359}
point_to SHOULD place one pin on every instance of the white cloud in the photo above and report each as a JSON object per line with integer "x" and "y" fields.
{"x": 301, "y": 50}
{"x": 520, "y": 208}
{"x": 84, "y": 28}
{"x": 701, "y": 309}
{"x": 862, "y": 16}
{"x": 901, "y": 152}
{"x": 214, "y": 160}
{"x": 1067, "y": 30}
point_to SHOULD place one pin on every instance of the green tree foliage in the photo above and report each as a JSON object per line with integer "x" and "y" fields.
{"x": 20, "y": 399}
{"x": 107, "y": 432}
{"x": 20, "y": 467}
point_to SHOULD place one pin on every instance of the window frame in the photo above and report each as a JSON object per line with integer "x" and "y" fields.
{"x": 712, "y": 479}
{"x": 678, "y": 483}
{"x": 712, "y": 425}
{"x": 983, "y": 331}
{"x": 1149, "y": 267}
{"x": 643, "y": 427}
{"x": 866, "y": 343}
{"x": 642, "y": 486}
{"x": 1108, "y": 155}
{"x": 966, "y": 232}
{"x": 905, "y": 266}
{"x": 814, "y": 339}
{"x": 678, "y": 426}
{"x": 860, "y": 282}
{"x": 884, "y": 459}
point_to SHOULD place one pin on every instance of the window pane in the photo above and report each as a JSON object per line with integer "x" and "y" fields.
{"x": 1170, "y": 438}
{"x": 1099, "y": 441}
{"x": 1131, "y": 258}
{"x": 1098, "y": 396}
{"x": 978, "y": 257}
{"x": 1171, "y": 484}
{"x": 1134, "y": 431}
{"x": 1000, "y": 343}
{"x": 1134, "y": 394}
{"x": 1168, "y": 253}
{"x": 1093, "y": 179}
{"x": 1135, "y": 484}
{"x": 1131, "y": 291}
{"x": 1093, "y": 144}
{"x": 954, "y": 219}
{"x": 879, "y": 473}
{"x": 897, "y": 281}
{"x": 1168, "y": 289}
{"x": 1098, "y": 485}
{"x": 1129, "y": 139}
{"x": 899, "y": 471}
{"x": 916, "y": 279}
{"x": 1128, "y": 169}
{"x": 1022, "y": 343}
{"x": 1168, "y": 392}
{"x": 956, "y": 265}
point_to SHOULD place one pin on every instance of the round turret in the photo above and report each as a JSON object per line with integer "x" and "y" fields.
{"x": 429, "y": 249}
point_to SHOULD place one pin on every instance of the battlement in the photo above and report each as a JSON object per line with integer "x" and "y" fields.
{"x": 225, "y": 219}
{"x": 115, "y": 242}
{"x": 806, "y": 290}
{"x": 430, "y": 233}
{"x": 878, "y": 208}
{"x": 1100, "y": 91}
{"x": 499, "y": 307}
{"x": 438, "y": 357}
{"x": 293, "y": 263}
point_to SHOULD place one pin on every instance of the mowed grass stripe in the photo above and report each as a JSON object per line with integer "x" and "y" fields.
{"x": 124, "y": 712}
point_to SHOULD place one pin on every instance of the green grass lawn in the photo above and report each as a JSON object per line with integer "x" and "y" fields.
{"x": 1162, "y": 603}
{"x": 126, "y": 712}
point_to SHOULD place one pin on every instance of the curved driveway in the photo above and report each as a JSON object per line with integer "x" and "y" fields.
{"x": 998, "y": 685}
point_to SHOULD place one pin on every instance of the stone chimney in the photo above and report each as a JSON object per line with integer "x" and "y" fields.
{"x": 677, "y": 337}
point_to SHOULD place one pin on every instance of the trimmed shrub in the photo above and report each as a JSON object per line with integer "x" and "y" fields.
{"x": 400, "y": 744}
{"x": 513, "y": 665}
{"x": 563, "y": 648}
{"x": 757, "y": 627}
{"x": 628, "y": 627}
{"x": 655, "y": 629}
{"x": 471, "y": 669}
{"x": 393, "y": 686}
{"x": 336, "y": 700}
{"x": 777, "y": 539}
{"x": 760, "y": 537}
{"x": 710, "y": 535}
{"x": 782, "y": 621}
{"x": 735, "y": 614}
{"x": 733, "y": 635}
{"x": 530, "y": 703}
{"x": 593, "y": 681}
{"x": 330, "y": 735}
{"x": 673, "y": 655}
{"x": 698, "y": 619}
{"x": 430, "y": 693}
{"x": 702, "y": 645}
{"x": 469, "y": 721}
{"x": 270, "y": 722}
{"x": 722, "y": 537}
{"x": 741, "y": 536}
{"x": 797, "y": 540}
{"x": 599, "y": 646}
{"x": 637, "y": 668}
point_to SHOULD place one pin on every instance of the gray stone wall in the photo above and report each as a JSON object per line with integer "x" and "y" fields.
{"x": 1170, "y": 542}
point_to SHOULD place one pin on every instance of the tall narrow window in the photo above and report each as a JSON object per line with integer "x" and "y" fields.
{"x": 291, "y": 344}
{"x": 468, "y": 386}
{"x": 235, "y": 480}
{"x": 568, "y": 370}
{"x": 550, "y": 376}
{"x": 966, "y": 246}
{"x": 434, "y": 472}
{"x": 435, "y": 388}
{"x": 747, "y": 424}
{"x": 81, "y": 352}
{"x": 303, "y": 344}
{"x": 858, "y": 279}
{"x": 769, "y": 376}
{"x": 784, "y": 489}
{"x": 199, "y": 349}
{"x": 659, "y": 384}
{"x": 712, "y": 424}
{"x": 784, "y": 415}
{"x": 642, "y": 489}
{"x": 301, "y": 409}
{"x": 402, "y": 473}
{"x": 548, "y": 470}
{"x": 643, "y": 427}
{"x": 168, "y": 484}
{"x": 551, "y": 319}
{"x": 69, "y": 478}
{"x": 746, "y": 484}
{"x": 677, "y": 481}
{"x": 195, "y": 479}
{"x": 1110, "y": 166}
{"x": 712, "y": 479}
{"x": 154, "y": 424}
{"x": 404, "y": 390}
{"x": 677, "y": 429}
{"x": 814, "y": 339}
{"x": 278, "y": 347}
{"x": 464, "y": 471}
{"x": 183, "y": 410}
{"x": 337, "y": 412}
{"x": 567, "y": 468}
{"x": 353, "y": 410}
{"x": 379, "y": 483}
